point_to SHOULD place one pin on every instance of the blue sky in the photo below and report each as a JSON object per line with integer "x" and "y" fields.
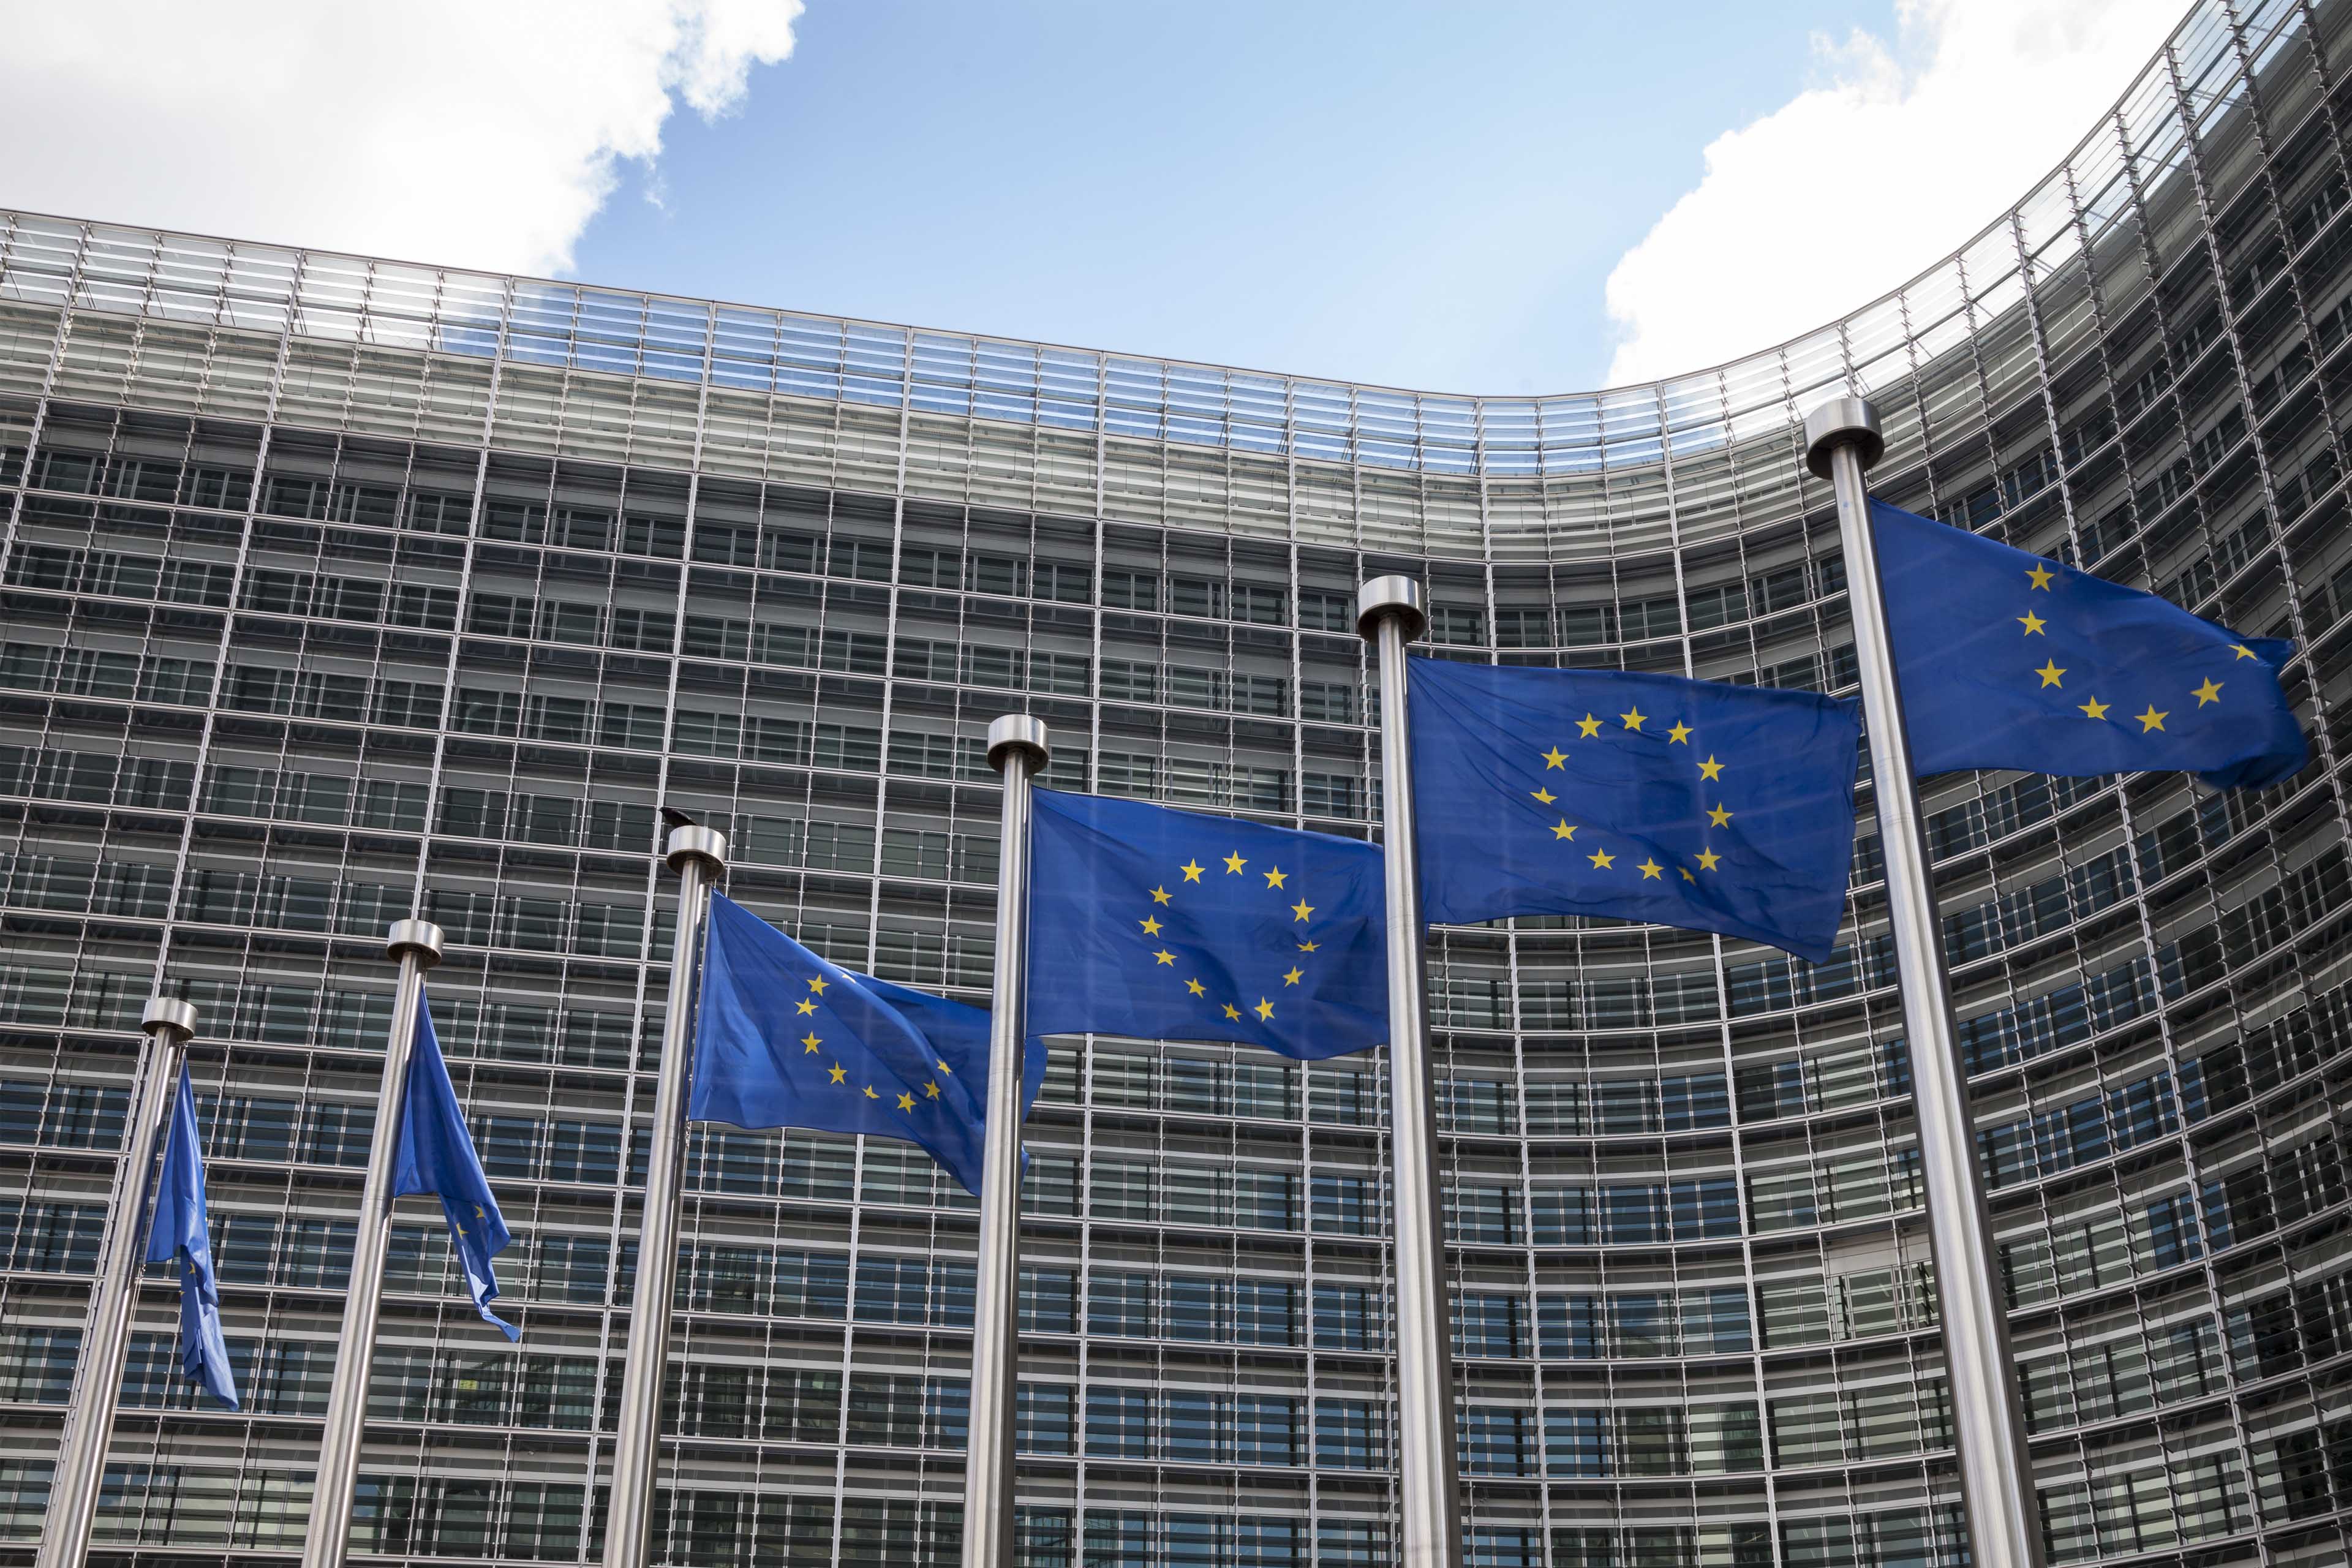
{"x": 1430, "y": 195}
{"x": 1470, "y": 196}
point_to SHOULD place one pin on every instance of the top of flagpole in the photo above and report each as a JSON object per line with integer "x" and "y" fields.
{"x": 1400, "y": 597}
{"x": 1018, "y": 733}
{"x": 422, "y": 938}
{"x": 1835, "y": 424}
{"x": 693, "y": 842}
{"x": 168, "y": 1012}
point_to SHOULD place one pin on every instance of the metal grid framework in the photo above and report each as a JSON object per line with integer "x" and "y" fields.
{"x": 336, "y": 589}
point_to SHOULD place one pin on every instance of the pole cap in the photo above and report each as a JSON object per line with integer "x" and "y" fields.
{"x": 1837, "y": 422}
{"x": 164, "y": 1014}
{"x": 422, "y": 938}
{"x": 1400, "y": 597}
{"x": 1018, "y": 734}
{"x": 707, "y": 845}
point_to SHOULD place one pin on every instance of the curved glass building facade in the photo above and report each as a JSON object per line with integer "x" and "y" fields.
{"x": 336, "y": 588}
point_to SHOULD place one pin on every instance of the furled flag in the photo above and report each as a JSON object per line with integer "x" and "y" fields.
{"x": 182, "y": 1235}
{"x": 436, "y": 1156}
{"x": 1647, "y": 798}
{"x": 1171, "y": 925}
{"x": 2008, "y": 661}
{"x": 785, "y": 1038}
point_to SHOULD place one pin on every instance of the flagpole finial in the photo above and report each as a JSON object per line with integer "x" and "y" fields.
{"x": 422, "y": 938}
{"x": 163, "y": 1013}
{"x": 1018, "y": 733}
{"x": 1400, "y": 597}
{"x": 1838, "y": 422}
{"x": 707, "y": 845}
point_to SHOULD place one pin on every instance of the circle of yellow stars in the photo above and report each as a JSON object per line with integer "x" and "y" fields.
{"x": 837, "y": 1075}
{"x": 1236, "y": 865}
{"x": 1710, "y": 770}
{"x": 2053, "y": 675}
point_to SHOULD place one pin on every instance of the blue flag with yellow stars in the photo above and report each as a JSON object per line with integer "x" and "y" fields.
{"x": 785, "y": 1038}
{"x": 2008, "y": 661}
{"x": 181, "y": 1233}
{"x": 1172, "y": 925}
{"x": 1645, "y": 798}
{"x": 436, "y": 1156}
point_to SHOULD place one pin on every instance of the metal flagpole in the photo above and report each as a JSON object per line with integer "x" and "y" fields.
{"x": 1017, "y": 748}
{"x": 699, "y": 856}
{"x": 416, "y": 946}
{"x": 1842, "y": 439}
{"x": 106, "y": 1338}
{"x": 1389, "y": 612}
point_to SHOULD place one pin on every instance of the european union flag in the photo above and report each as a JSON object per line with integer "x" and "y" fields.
{"x": 1169, "y": 925}
{"x": 436, "y": 1156}
{"x": 1648, "y": 797}
{"x": 2008, "y": 661}
{"x": 785, "y": 1038}
{"x": 183, "y": 1234}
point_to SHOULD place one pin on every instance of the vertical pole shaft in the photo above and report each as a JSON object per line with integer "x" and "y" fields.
{"x": 1389, "y": 612}
{"x": 1996, "y": 1467}
{"x": 699, "y": 856}
{"x": 1017, "y": 747}
{"x": 416, "y": 946}
{"x": 105, "y": 1336}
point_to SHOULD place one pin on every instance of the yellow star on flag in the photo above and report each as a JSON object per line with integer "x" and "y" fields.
{"x": 1634, "y": 720}
{"x": 1151, "y": 925}
{"x": 1273, "y": 878}
{"x": 2241, "y": 650}
{"x": 2050, "y": 673}
{"x": 2041, "y": 576}
{"x": 930, "y": 1090}
{"x": 2095, "y": 709}
{"x": 2031, "y": 622}
{"x": 1719, "y": 816}
{"x": 1707, "y": 860}
{"x": 809, "y": 1043}
{"x": 1232, "y": 1012}
{"x": 1265, "y": 1009}
{"x": 1309, "y": 946}
{"x": 1302, "y": 909}
{"x": 2152, "y": 719}
{"x": 838, "y": 1072}
{"x": 1680, "y": 733}
{"x": 1603, "y": 859}
{"x": 1191, "y": 869}
{"x": 1159, "y": 895}
{"x": 2208, "y": 692}
{"x": 906, "y": 1103}
{"x": 1587, "y": 727}
{"x": 1710, "y": 769}
{"x": 1544, "y": 795}
{"x": 1686, "y": 876}
{"x": 945, "y": 1068}
{"x": 1164, "y": 956}
{"x": 1650, "y": 869}
{"x": 1234, "y": 864}
{"x": 806, "y": 1005}
{"x": 870, "y": 1094}
{"x": 1554, "y": 758}
{"x": 1293, "y": 977}
{"x": 1196, "y": 988}
{"x": 816, "y": 984}
{"x": 1562, "y": 829}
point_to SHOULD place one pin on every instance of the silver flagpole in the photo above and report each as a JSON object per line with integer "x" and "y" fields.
{"x": 1017, "y": 748}
{"x": 1390, "y": 613}
{"x": 106, "y": 1338}
{"x": 699, "y": 856}
{"x": 416, "y": 946}
{"x": 1842, "y": 439}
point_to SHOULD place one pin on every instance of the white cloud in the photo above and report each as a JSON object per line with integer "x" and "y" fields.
{"x": 466, "y": 131}
{"x": 1934, "y": 135}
